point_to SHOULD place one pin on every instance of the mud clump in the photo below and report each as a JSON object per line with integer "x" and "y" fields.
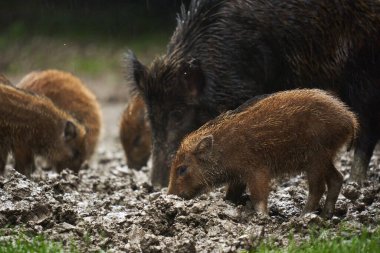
{"x": 114, "y": 208}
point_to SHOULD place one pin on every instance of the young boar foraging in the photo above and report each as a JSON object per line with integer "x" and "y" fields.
{"x": 225, "y": 52}
{"x": 288, "y": 132}
{"x": 69, "y": 94}
{"x": 135, "y": 134}
{"x": 32, "y": 125}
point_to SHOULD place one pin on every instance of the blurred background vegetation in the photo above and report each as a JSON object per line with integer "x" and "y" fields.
{"x": 85, "y": 37}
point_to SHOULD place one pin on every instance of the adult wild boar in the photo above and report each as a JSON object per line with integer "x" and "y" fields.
{"x": 225, "y": 52}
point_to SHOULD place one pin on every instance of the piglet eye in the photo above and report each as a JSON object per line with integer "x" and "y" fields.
{"x": 137, "y": 141}
{"x": 182, "y": 170}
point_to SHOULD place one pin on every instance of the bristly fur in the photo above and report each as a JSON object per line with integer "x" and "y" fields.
{"x": 128, "y": 61}
{"x": 195, "y": 21}
{"x": 287, "y": 133}
{"x": 246, "y": 48}
{"x": 134, "y": 126}
{"x": 58, "y": 86}
{"x": 4, "y": 80}
{"x": 32, "y": 125}
{"x": 221, "y": 25}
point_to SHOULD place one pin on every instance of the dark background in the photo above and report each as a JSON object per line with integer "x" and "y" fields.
{"x": 88, "y": 39}
{"x": 88, "y": 19}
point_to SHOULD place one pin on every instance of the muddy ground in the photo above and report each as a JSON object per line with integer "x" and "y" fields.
{"x": 111, "y": 207}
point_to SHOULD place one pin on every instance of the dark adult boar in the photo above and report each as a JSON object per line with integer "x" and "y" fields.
{"x": 225, "y": 52}
{"x": 286, "y": 133}
{"x": 135, "y": 134}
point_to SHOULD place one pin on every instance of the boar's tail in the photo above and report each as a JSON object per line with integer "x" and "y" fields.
{"x": 354, "y": 131}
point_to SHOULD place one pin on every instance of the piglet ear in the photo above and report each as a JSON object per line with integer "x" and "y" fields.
{"x": 204, "y": 147}
{"x": 70, "y": 131}
{"x": 193, "y": 78}
{"x": 134, "y": 72}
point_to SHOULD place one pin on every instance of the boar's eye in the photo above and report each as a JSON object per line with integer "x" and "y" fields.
{"x": 181, "y": 171}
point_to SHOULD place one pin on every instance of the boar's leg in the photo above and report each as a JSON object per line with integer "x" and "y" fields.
{"x": 3, "y": 160}
{"x": 24, "y": 162}
{"x": 316, "y": 180}
{"x": 160, "y": 168}
{"x": 334, "y": 181}
{"x": 365, "y": 145}
{"x": 235, "y": 191}
{"x": 259, "y": 187}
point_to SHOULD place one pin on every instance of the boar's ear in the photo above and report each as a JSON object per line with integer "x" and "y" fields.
{"x": 203, "y": 148}
{"x": 134, "y": 72}
{"x": 193, "y": 77}
{"x": 70, "y": 131}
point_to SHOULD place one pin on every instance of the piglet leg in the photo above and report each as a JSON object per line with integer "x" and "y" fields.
{"x": 334, "y": 182}
{"x": 259, "y": 187}
{"x": 24, "y": 161}
{"x": 316, "y": 179}
{"x": 235, "y": 191}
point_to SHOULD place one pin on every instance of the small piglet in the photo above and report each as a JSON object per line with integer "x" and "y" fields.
{"x": 135, "y": 133}
{"x": 284, "y": 133}
{"x": 4, "y": 80}
{"x": 71, "y": 95}
{"x": 31, "y": 125}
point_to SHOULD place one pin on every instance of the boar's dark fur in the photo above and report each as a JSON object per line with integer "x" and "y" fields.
{"x": 224, "y": 52}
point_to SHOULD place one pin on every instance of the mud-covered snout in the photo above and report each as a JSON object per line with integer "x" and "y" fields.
{"x": 173, "y": 189}
{"x": 70, "y": 150}
{"x": 138, "y": 152}
{"x": 138, "y": 162}
{"x": 183, "y": 190}
{"x": 73, "y": 165}
{"x": 74, "y": 158}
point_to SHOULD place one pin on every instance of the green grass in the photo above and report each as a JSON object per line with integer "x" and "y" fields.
{"x": 22, "y": 54}
{"x": 320, "y": 241}
{"x": 23, "y": 243}
{"x": 324, "y": 242}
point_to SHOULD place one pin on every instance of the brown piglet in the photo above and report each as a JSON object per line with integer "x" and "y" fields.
{"x": 281, "y": 134}
{"x": 4, "y": 80}
{"x": 69, "y": 94}
{"x": 135, "y": 133}
{"x": 31, "y": 125}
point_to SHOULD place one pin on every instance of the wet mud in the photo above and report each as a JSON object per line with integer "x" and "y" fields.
{"x": 113, "y": 208}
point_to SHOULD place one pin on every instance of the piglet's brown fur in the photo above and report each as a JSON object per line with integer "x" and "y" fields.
{"x": 288, "y": 132}
{"x": 32, "y": 125}
{"x": 69, "y": 94}
{"x": 4, "y": 80}
{"x": 135, "y": 133}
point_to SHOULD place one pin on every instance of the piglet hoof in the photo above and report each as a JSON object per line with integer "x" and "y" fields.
{"x": 263, "y": 217}
{"x": 261, "y": 209}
